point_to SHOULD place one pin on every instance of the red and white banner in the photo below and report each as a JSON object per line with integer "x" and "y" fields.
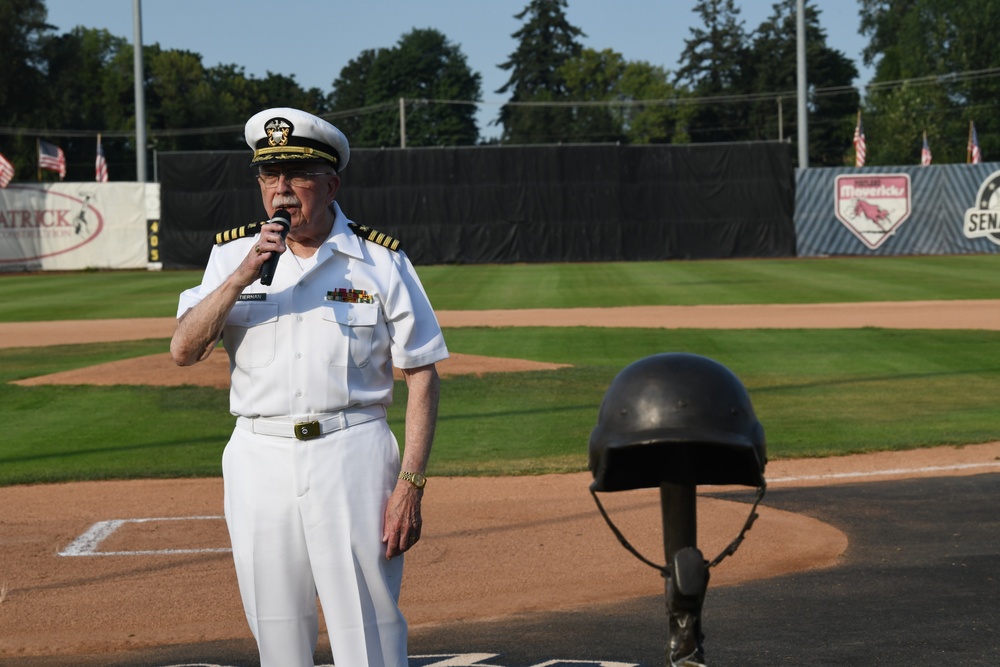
{"x": 73, "y": 226}
{"x": 872, "y": 206}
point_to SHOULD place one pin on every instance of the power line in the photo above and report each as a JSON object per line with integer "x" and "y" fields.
{"x": 936, "y": 79}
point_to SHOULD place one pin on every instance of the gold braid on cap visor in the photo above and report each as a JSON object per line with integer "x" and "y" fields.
{"x": 292, "y": 153}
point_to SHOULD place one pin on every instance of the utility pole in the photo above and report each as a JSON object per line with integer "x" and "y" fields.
{"x": 781, "y": 122}
{"x": 140, "y": 97}
{"x": 402, "y": 122}
{"x": 800, "y": 39}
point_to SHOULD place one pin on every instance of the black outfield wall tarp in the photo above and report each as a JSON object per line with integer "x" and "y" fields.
{"x": 501, "y": 204}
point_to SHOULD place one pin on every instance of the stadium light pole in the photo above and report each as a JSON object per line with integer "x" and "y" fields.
{"x": 140, "y": 98}
{"x": 800, "y": 76}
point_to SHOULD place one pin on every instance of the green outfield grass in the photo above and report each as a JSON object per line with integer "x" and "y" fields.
{"x": 116, "y": 294}
{"x": 817, "y": 392}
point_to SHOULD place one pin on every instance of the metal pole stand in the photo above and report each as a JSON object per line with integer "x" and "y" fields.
{"x": 686, "y": 576}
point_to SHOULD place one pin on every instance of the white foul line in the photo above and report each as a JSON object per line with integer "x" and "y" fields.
{"x": 885, "y": 473}
{"x": 88, "y": 543}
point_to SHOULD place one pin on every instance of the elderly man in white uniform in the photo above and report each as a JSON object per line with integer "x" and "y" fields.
{"x": 317, "y": 497}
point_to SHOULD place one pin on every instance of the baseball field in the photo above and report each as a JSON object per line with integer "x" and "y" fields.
{"x": 870, "y": 368}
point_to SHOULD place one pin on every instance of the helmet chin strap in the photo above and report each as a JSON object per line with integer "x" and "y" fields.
{"x": 747, "y": 525}
{"x": 664, "y": 570}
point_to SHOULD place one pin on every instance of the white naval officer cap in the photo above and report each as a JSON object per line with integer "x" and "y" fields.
{"x": 284, "y": 134}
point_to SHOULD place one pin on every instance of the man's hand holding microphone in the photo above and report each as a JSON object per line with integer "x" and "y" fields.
{"x": 284, "y": 219}
{"x": 263, "y": 259}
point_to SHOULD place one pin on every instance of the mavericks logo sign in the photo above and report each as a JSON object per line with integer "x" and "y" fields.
{"x": 872, "y": 206}
{"x": 983, "y": 221}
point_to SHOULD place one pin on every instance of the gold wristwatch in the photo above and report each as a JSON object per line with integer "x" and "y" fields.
{"x": 414, "y": 478}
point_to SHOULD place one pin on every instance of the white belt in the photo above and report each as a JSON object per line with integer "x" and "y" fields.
{"x": 312, "y": 426}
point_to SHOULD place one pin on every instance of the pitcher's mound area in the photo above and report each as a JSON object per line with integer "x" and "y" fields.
{"x": 160, "y": 370}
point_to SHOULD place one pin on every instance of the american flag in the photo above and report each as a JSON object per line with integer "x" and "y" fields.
{"x": 974, "y": 155}
{"x": 859, "y": 143}
{"x": 6, "y": 171}
{"x": 51, "y": 157}
{"x": 101, "y": 166}
{"x": 925, "y": 153}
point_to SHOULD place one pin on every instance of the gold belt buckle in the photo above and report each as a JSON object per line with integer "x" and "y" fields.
{"x": 307, "y": 430}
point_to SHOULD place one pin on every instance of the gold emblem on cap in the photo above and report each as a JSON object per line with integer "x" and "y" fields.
{"x": 278, "y": 131}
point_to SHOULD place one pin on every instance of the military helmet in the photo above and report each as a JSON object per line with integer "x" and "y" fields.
{"x": 679, "y": 418}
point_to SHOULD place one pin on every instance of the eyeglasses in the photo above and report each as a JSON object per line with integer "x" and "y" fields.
{"x": 295, "y": 178}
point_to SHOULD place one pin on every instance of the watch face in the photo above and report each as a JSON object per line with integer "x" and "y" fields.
{"x": 414, "y": 478}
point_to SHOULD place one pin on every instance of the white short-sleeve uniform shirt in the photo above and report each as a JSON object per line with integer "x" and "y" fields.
{"x": 327, "y": 331}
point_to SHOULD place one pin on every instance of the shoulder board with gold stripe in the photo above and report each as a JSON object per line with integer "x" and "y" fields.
{"x": 238, "y": 232}
{"x": 375, "y": 236}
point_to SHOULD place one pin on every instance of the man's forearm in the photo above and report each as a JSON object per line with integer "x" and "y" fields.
{"x": 423, "y": 388}
{"x": 402, "y": 522}
{"x": 199, "y": 329}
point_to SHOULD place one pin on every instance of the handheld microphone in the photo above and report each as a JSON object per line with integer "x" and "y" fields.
{"x": 283, "y": 218}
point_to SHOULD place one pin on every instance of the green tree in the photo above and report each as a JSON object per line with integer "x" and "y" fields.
{"x": 75, "y": 95}
{"x": 177, "y": 94}
{"x": 76, "y": 64}
{"x": 594, "y": 76}
{"x": 23, "y": 35}
{"x": 350, "y": 98}
{"x": 772, "y": 68}
{"x": 667, "y": 118}
{"x": 277, "y": 90}
{"x": 82, "y": 82}
{"x": 545, "y": 43}
{"x": 183, "y": 97}
{"x": 714, "y": 64}
{"x": 935, "y": 70}
{"x": 605, "y": 76}
{"x": 423, "y": 68}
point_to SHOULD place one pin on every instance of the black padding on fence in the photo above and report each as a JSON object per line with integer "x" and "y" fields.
{"x": 519, "y": 204}
{"x": 202, "y": 193}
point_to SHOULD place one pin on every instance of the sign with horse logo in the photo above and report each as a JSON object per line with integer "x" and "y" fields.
{"x": 872, "y": 206}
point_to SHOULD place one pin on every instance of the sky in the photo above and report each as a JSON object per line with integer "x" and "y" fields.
{"x": 313, "y": 40}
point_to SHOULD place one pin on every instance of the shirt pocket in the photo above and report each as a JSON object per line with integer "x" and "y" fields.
{"x": 251, "y": 330}
{"x": 355, "y": 325}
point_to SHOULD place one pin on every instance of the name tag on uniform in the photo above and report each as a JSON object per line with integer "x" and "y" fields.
{"x": 253, "y": 296}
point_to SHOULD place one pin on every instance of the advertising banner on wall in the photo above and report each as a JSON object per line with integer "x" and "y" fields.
{"x": 948, "y": 209}
{"x": 872, "y": 206}
{"x": 73, "y": 226}
{"x": 982, "y": 221}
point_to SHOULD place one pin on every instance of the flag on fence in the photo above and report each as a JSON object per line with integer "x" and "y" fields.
{"x": 925, "y": 153}
{"x": 51, "y": 157}
{"x": 6, "y": 171}
{"x": 101, "y": 166}
{"x": 859, "y": 143}
{"x": 973, "y": 154}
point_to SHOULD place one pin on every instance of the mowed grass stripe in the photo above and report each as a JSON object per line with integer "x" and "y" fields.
{"x": 817, "y": 392}
{"x": 127, "y": 294}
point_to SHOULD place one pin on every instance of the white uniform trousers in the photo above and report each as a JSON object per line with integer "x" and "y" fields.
{"x": 305, "y": 518}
